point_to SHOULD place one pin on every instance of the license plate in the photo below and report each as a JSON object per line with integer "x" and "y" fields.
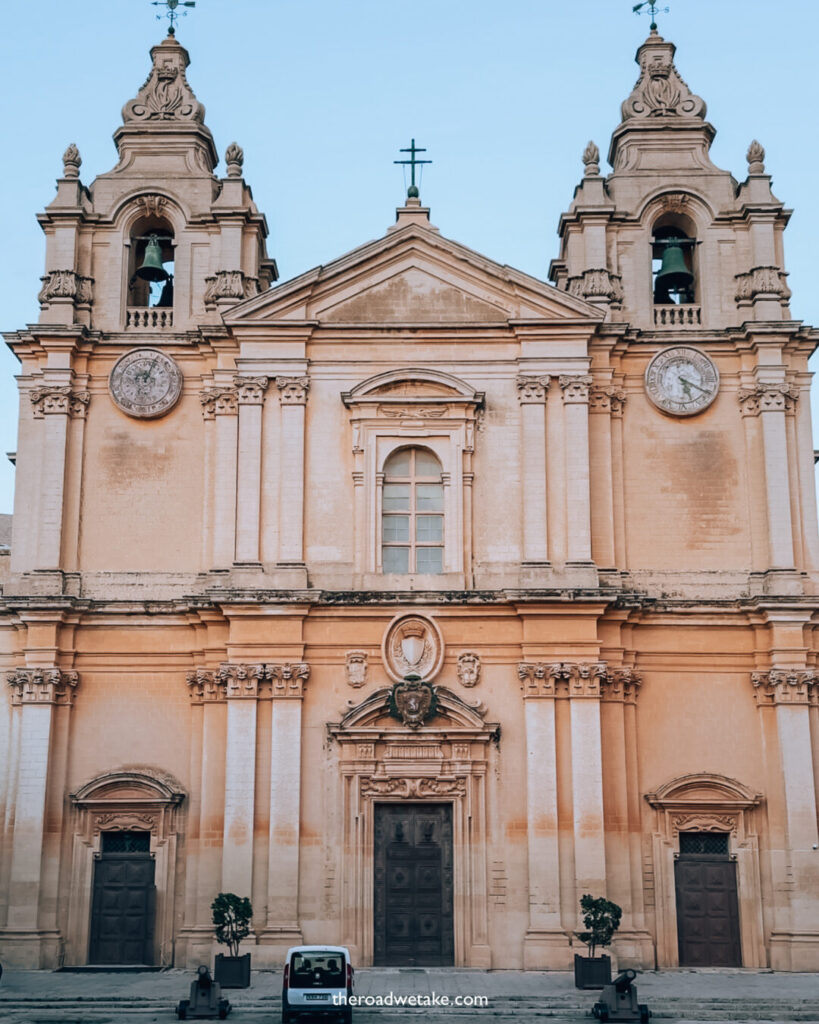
{"x": 316, "y": 995}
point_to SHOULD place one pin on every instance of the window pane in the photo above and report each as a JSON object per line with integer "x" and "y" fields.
{"x": 429, "y": 559}
{"x": 398, "y": 464}
{"x": 429, "y": 497}
{"x": 426, "y": 464}
{"x": 429, "y": 528}
{"x": 396, "y": 496}
{"x": 395, "y": 559}
{"x": 395, "y": 528}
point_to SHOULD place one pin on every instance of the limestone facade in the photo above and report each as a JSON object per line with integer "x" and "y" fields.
{"x": 592, "y": 632}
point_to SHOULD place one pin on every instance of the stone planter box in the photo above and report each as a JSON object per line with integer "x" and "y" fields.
{"x": 232, "y": 971}
{"x": 591, "y": 971}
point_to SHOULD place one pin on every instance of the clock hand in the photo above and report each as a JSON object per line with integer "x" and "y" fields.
{"x": 693, "y": 385}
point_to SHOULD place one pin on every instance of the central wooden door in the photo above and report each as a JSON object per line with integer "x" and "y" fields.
{"x": 707, "y": 906}
{"x": 413, "y": 885}
{"x": 122, "y": 909}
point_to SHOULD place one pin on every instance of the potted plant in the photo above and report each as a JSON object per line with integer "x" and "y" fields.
{"x": 231, "y": 921}
{"x": 602, "y": 919}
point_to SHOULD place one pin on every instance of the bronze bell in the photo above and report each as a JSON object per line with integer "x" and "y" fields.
{"x": 151, "y": 268}
{"x": 673, "y": 275}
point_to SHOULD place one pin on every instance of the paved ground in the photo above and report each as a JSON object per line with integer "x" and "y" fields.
{"x": 687, "y": 997}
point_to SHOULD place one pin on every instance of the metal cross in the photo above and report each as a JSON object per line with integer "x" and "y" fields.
{"x": 412, "y": 191}
{"x": 173, "y": 14}
{"x": 652, "y": 9}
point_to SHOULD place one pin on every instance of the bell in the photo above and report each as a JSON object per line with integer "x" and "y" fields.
{"x": 151, "y": 268}
{"x": 673, "y": 275}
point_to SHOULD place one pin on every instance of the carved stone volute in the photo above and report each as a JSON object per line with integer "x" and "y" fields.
{"x": 660, "y": 92}
{"x": 166, "y": 95}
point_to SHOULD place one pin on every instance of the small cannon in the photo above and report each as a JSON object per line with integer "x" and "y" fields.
{"x": 206, "y": 999}
{"x": 618, "y": 1001}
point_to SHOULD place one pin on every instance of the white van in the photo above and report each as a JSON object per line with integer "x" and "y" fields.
{"x": 317, "y": 980}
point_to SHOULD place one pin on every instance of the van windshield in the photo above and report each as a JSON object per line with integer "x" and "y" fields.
{"x": 318, "y": 969}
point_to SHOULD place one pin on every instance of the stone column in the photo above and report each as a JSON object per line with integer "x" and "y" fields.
{"x": 293, "y": 397}
{"x": 282, "y": 928}
{"x": 788, "y": 692}
{"x": 220, "y": 403}
{"x": 575, "y": 390}
{"x": 532, "y": 395}
{"x": 54, "y": 405}
{"x": 250, "y": 395}
{"x": 545, "y": 944}
{"x": 242, "y": 690}
{"x": 35, "y": 694}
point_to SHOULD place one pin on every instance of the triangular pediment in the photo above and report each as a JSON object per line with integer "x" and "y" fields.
{"x": 412, "y": 276}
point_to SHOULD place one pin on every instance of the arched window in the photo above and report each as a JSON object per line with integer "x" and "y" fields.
{"x": 150, "y": 274}
{"x": 412, "y": 513}
{"x": 672, "y": 263}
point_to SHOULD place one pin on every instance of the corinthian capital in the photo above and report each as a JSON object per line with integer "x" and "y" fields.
{"x": 250, "y": 390}
{"x": 42, "y": 685}
{"x": 48, "y": 401}
{"x": 219, "y": 401}
{"x": 761, "y": 398}
{"x": 533, "y": 390}
{"x": 607, "y": 398}
{"x": 289, "y": 680}
{"x": 575, "y": 387}
{"x": 293, "y": 390}
{"x": 784, "y": 686}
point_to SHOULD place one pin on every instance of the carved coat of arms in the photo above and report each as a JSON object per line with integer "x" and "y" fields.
{"x": 413, "y": 701}
{"x": 413, "y": 646}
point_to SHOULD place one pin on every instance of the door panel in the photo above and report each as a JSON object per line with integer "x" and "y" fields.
{"x": 413, "y": 885}
{"x": 707, "y": 912}
{"x": 122, "y": 909}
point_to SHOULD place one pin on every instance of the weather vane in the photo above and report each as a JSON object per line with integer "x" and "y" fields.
{"x": 652, "y": 9}
{"x": 173, "y": 13}
{"x": 412, "y": 191}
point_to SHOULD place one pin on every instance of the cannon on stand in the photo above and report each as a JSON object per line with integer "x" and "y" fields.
{"x": 205, "y": 1000}
{"x": 619, "y": 1001}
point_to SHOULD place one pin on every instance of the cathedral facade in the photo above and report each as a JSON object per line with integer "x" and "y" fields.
{"x": 413, "y": 597}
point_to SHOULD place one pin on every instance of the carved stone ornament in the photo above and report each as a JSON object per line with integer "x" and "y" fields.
{"x": 250, "y": 390}
{"x": 660, "y": 92}
{"x": 219, "y": 401}
{"x": 785, "y": 686}
{"x": 261, "y": 680}
{"x": 469, "y": 668}
{"x": 66, "y": 284}
{"x": 591, "y": 160}
{"x": 607, "y": 398}
{"x": 229, "y": 284}
{"x": 413, "y": 701}
{"x": 356, "y": 665}
{"x": 767, "y": 282}
{"x": 767, "y": 398}
{"x": 234, "y": 158}
{"x": 145, "y": 383}
{"x": 124, "y": 821}
{"x": 413, "y": 788}
{"x": 704, "y": 822}
{"x": 412, "y": 646}
{"x": 756, "y": 158}
{"x": 205, "y": 685}
{"x": 293, "y": 390}
{"x": 152, "y": 205}
{"x": 578, "y": 679}
{"x": 60, "y": 401}
{"x": 42, "y": 685}
{"x": 533, "y": 390}
{"x": 597, "y": 285}
{"x": 166, "y": 95}
{"x": 575, "y": 387}
{"x": 72, "y": 161}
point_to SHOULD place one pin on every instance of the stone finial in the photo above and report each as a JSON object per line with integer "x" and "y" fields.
{"x": 166, "y": 95}
{"x": 591, "y": 159}
{"x": 234, "y": 158}
{"x": 660, "y": 92}
{"x": 71, "y": 161}
{"x": 756, "y": 158}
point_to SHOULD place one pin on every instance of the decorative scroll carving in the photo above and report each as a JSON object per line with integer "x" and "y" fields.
{"x": 768, "y": 282}
{"x": 575, "y": 387}
{"x": 72, "y": 161}
{"x": 704, "y": 822}
{"x": 756, "y": 158}
{"x": 62, "y": 401}
{"x": 413, "y": 412}
{"x": 413, "y": 701}
{"x": 166, "y": 95}
{"x": 413, "y": 788}
{"x": 674, "y": 202}
{"x": 596, "y": 284}
{"x": 607, "y": 398}
{"x": 234, "y": 158}
{"x": 660, "y": 92}
{"x": 205, "y": 686}
{"x": 250, "y": 390}
{"x": 533, "y": 390}
{"x": 562, "y": 679}
{"x": 621, "y": 684}
{"x": 293, "y": 390}
{"x": 785, "y": 686}
{"x": 125, "y": 821}
{"x": 66, "y": 284}
{"x": 288, "y": 680}
{"x": 42, "y": 685}
{"x": 357, "y": 664}
{"x": 412, "y": 646}
{"x": 469, "y": 668}
{"x": 229, "y": 284}
{"x": 219, "y": 401}
{"x": 152, "y": 205}
{"x": 591, "y": 160}
{"x": 767, "y": 398}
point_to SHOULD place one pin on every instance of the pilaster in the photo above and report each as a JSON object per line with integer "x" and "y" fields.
{"x": 532, "y": 394}
{"x": 293, "y": 398}
{"x": 575, "y": 390}
{"x": 220, "y": 407}
{"x": 250, "y": 393}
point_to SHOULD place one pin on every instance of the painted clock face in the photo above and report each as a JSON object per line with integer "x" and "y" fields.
{"x": 145, "y": 383}
{"x": 682, "y": 381}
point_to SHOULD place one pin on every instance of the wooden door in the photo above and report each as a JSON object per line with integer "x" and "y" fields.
{"x": 122, "y": 909}
{"x": 413, "y": 885}
{"x": 707, "y": 905}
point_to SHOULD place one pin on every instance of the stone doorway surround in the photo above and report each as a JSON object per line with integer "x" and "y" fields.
{"x": 705, "y": 802}
{"x": 130, "y": 799}
{"x": 381, "y": 761}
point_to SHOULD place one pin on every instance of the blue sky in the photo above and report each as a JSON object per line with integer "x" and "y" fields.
{"x": 321, "y": 94}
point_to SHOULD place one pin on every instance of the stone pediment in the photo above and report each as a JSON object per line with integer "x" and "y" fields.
{"x": 412, "y": 276}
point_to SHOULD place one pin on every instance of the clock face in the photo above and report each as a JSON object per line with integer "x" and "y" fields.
{"x": 682, "y": 381}
{"x": 145, "y": 383}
